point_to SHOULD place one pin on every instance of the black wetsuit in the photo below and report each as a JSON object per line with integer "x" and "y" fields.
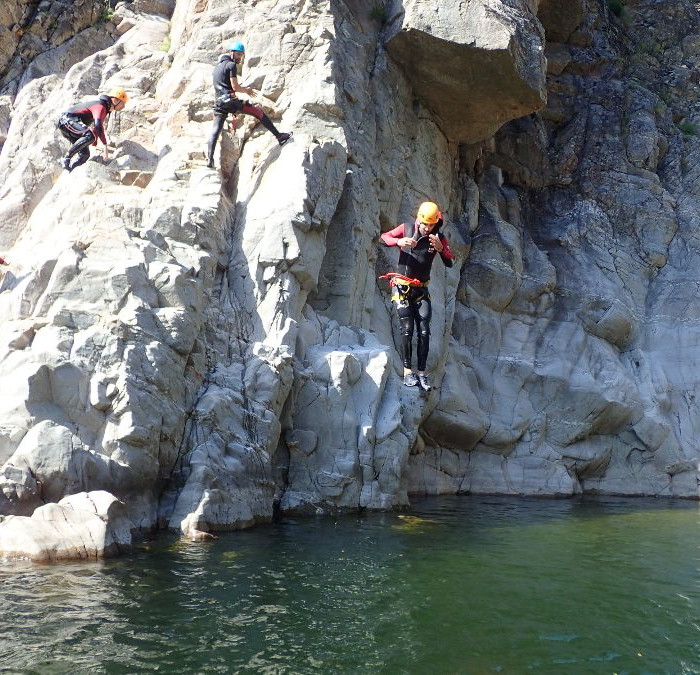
{"x": 412, "y": 303}
{"x": 74, "y": 124}
{"x": 226, "y": 103}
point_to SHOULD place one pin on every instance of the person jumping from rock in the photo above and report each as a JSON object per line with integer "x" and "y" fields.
{"x": 75, "y": 125}
{"x": 231, "y": 97}
{"x": 419, "y": 242}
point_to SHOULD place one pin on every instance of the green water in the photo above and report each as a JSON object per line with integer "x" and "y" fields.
{"x": 457, "y": 585}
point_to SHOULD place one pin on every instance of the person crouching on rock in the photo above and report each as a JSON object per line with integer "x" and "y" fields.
{"x": 419, "y": 242}
{"x": 75, "y": 125}
{"x": 232, "y": 97}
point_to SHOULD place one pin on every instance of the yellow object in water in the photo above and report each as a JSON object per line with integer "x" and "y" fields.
{"x": 230, "y": 554}
{"x": 413, "y": 522}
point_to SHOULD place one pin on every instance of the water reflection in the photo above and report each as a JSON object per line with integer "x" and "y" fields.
{"x": 458, "y": 585}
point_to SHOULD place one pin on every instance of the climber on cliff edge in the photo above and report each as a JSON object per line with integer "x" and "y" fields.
{"x": 419, "y": 242}
{"x": 75, "y": 125}
{"x": 232, "y": 97}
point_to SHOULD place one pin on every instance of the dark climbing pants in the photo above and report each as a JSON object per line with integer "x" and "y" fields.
{"x": 80, "y": 135}
{"x": 414, "y": 309}
{"x": 228, "y": 104}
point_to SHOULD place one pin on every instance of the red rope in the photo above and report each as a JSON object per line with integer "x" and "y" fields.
{"x": 395, "y": 275}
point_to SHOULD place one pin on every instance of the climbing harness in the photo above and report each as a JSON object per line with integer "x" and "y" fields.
{"x": 403, "y": 285}
{"x": 401, "y": 279}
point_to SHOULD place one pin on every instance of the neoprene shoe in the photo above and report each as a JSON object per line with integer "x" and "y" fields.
{"x": 283, "y": 138}
{"x": 410, "y": 379}
{"x": 65, "y": 163}
{"x": 424, "y": 382}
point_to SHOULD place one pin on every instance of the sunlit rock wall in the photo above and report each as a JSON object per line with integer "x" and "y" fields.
{"x": 213, "y": 347}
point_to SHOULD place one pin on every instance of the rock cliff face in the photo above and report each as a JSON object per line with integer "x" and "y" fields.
{"x": 199, "y": 349}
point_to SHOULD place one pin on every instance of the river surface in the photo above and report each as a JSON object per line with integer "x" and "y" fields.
{"x": 455, "y": 585}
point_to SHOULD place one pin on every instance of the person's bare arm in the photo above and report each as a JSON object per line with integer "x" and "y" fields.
{"x": 240, "y": 88}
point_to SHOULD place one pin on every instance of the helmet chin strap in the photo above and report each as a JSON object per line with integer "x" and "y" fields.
{"x": 422, "y": 228}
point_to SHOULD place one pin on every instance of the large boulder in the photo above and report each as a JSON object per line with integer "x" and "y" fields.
{"x": 476, "y": 65}
{"x": 87, "y": 525}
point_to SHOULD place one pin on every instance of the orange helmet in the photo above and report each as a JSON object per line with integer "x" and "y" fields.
{"x": 119, "y": 93}
{"x": 429, "y": 213}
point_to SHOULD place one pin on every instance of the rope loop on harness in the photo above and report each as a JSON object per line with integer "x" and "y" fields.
{"x": 396, "y": 279}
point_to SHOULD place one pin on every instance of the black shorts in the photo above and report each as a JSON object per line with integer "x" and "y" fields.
{"x": 228, "y": 104}
{"x": 72, "y": 127}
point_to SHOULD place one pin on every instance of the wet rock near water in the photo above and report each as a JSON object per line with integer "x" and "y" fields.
{"x": 83, "y": 526}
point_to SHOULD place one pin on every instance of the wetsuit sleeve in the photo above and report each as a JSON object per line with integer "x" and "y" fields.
{"x": 392, "y": 237}
{"x": 99, "y": 113}
{"x": 446, "y": 253}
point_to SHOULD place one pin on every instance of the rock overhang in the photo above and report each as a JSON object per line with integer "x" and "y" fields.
{"x": 474, "y": 77}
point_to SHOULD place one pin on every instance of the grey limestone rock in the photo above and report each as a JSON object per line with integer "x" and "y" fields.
{"x": 207, "y": 348}
{"x": 83, "y": 526}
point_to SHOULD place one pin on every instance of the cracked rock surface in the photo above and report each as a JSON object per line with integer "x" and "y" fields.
{"x": 204, "y": 349}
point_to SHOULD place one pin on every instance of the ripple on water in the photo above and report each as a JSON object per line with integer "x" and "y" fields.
{"x": 456, "y": 585}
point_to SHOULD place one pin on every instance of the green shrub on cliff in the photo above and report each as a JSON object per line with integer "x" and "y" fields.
{"x": 379, "y": 12}
{"x": 616, "y": 7}
{"x": 688, "y": 128}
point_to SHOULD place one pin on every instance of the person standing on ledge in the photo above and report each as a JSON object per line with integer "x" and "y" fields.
{"x": 232, "y": 97}
{"x": 419, "y": 242}
{"x": 74, "y": 124}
